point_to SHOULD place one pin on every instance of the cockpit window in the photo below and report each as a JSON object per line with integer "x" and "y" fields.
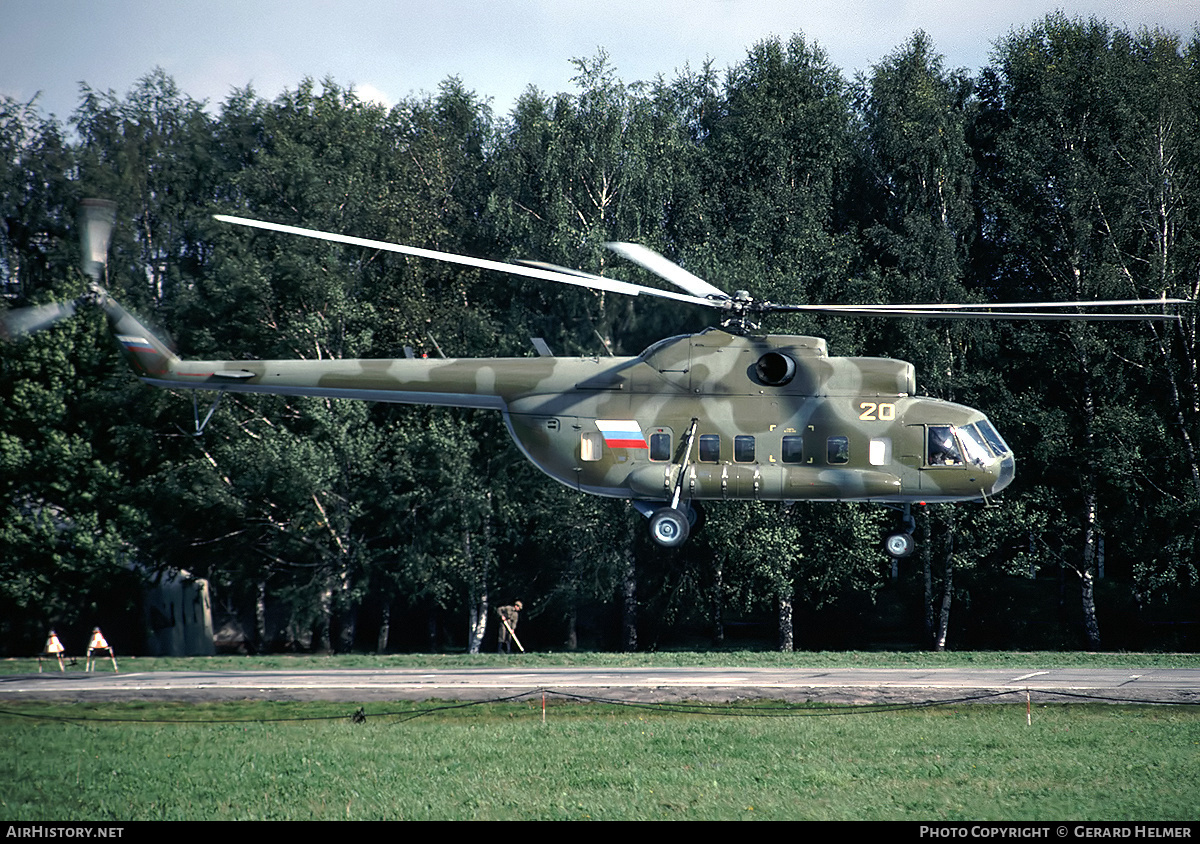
{"x": 943, "y": 448}
{"x": 993, "y": 437}
{"x": 973, "y": 444}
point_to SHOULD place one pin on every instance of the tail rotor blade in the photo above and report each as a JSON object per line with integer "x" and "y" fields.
{"x": 96, "y": 217}
{"x": 20, "y": 322}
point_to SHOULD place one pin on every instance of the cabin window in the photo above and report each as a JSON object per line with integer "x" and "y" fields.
{"x": 838, "y": 450}
{"x": 793, "y": 449}
{"x": 591, "y": 445}
{"x": 879, "y": 452}
{"x": 660, "y": 447}
{"x": 743, "y": 449}
{"x": 943, "y": 448}
{"x": 710, "y": 448}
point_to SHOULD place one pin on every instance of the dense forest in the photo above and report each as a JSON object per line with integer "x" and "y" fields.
{"x": 1068, "y": 168}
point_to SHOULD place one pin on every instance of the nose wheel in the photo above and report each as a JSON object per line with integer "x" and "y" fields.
{"x": 901, "y": 543}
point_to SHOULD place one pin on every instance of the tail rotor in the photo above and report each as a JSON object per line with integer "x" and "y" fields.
{"x": 96, "y": 218}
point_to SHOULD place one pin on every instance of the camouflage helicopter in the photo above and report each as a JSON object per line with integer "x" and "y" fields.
{"x": 727, "y": 413}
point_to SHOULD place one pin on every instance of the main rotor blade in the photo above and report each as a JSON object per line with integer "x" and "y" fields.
{"x": 543, "y": 265}
{"x": 704, "y": 293}
{"x": 997, "y": 306}
{"x": 563, "y": 277}
{"x": 668, "y": 270}
{"x": 20, "y": 322}
{"x": 934, "y": 312}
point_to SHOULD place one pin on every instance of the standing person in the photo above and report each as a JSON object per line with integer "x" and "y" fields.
{"x": 508, "y": 626}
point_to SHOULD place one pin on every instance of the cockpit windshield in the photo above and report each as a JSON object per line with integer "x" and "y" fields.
{"x": 993, "y": 437}
{"x": 950, "y": 445}
{"x": 974, "y": 445}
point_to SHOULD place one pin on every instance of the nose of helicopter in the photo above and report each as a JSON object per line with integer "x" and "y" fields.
{"x": 1003, "y": 466}
{"x": 1005, "y": 473}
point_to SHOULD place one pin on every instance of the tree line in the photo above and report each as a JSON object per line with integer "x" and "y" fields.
{"x": 1065, "y": 169}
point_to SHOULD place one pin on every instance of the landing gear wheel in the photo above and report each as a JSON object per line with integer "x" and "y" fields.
{"x": 899, "y": 544}
{"x": 669, "y": 527}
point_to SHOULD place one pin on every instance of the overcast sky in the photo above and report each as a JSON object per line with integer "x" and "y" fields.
{"x": 389, "y": 50}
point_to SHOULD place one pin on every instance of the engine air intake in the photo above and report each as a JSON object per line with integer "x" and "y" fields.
{"x": 775, "y": 369}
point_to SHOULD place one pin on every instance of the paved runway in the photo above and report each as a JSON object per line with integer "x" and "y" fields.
{"x": 846, "y": 685}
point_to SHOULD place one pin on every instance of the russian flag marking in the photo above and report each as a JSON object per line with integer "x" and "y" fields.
{"x": 135, "y": 344}
{"x": 621, "y": 433}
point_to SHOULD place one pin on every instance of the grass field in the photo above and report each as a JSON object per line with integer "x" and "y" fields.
{"x": 604, "y": 659}
{"x": 500, "y": 761}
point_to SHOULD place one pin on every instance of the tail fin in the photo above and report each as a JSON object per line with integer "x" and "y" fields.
{"x": 145, "y": 352}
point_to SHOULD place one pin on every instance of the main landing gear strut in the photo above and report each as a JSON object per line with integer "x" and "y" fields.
{"x": 671, "y": 525}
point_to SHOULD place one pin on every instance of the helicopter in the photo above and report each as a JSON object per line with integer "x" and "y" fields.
{"x": 728, "y": 413}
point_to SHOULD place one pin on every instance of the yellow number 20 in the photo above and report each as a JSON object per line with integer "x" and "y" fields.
{"x": 877, "y": 411}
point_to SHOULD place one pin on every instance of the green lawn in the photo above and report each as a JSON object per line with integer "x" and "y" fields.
{"x": 500, "y": 761}
{"x": 604, "y": 659}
